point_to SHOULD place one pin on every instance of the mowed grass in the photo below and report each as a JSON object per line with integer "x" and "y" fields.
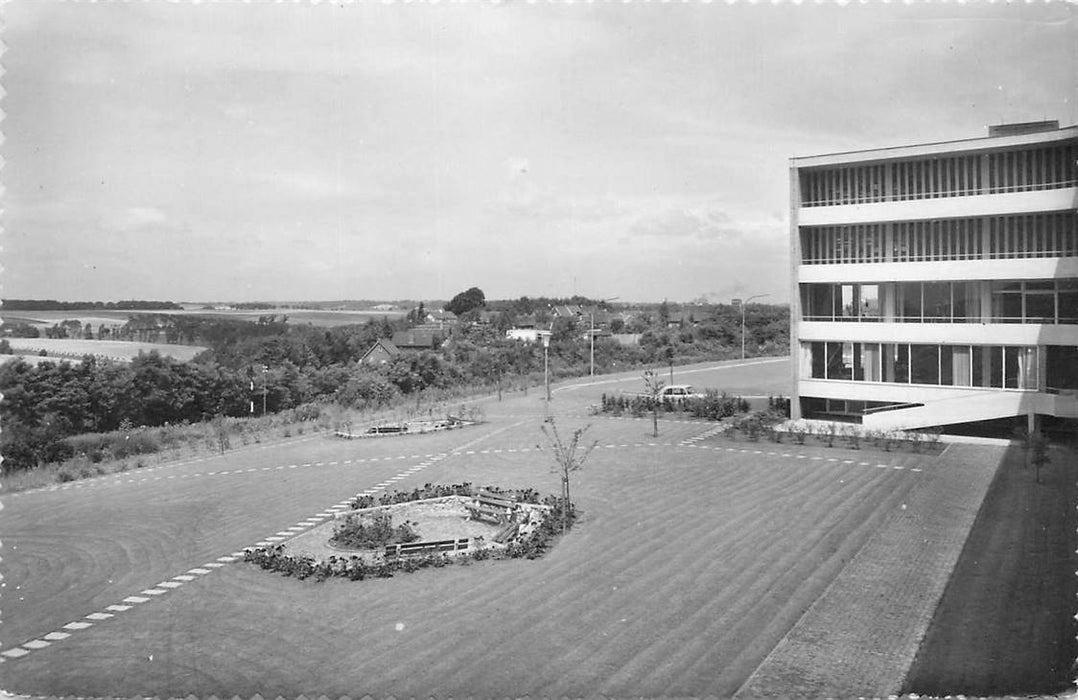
{"x": 686, "y": 568}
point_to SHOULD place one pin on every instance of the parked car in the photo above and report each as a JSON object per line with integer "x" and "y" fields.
{"x": 676, "y": 393}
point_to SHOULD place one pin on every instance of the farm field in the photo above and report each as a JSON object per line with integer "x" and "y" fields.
{"x": 96, "y": 317}
{"x": 699, "y": 566}
{"x": 73, "y": 348}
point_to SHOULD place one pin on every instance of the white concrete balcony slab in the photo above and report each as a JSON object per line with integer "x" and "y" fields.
{"x": 1040, "y": 201}
{"x": 941, "y": 270}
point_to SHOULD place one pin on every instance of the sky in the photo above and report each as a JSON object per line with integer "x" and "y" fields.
{"x": 243, "y": 152}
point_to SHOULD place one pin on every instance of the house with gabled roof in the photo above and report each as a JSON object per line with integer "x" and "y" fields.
{"x": 419, "y": 338}
{"x": 380, "y": 353}
{"x": 566, "y": 311}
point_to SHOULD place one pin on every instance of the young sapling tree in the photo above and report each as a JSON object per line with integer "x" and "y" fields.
{"x": 568, "y": 458}
{"x": 654, "y": 389}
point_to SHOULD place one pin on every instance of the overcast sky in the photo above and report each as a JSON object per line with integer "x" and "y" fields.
{"x": 297, "y": 152}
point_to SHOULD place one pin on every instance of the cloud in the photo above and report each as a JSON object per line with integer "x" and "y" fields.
{"x": 315, "y": 185}
{"x": 136, "y": 218}
{"x": 706, "y": 222}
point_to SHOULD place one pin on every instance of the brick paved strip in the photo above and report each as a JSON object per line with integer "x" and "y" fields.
{"x": 860, "y": 637}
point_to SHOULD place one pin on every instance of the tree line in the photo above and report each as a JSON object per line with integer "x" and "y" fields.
{"x": 54, "y": 305}
{"x": 274, "y": 366}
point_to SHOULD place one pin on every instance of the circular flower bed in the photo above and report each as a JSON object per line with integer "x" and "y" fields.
{"x": 407, "y": 531}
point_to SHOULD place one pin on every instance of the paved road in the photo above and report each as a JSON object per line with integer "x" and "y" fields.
{"x": 79, "y": 556}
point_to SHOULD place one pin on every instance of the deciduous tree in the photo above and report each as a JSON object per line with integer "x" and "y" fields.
{"x": 568, "y": 457}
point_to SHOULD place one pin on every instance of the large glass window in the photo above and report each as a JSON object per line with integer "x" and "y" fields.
{"x": 946, "y": 366}
{"x": 936, "y": 302}
{"x": 1035, "y": 301}
{"x": 980, "y": 366}
{"x": 1040, "y": 298}
{"x": 924, "y": 364}
{"x": 870, "y": 302}
{"x": 1068, "y": 300}
{"x": 1061, "y": 370}
{"x": 840, "y": 360}
{"x": 849, "y": 303}
{"x": 909, "y": 301}
{"x": 1007, "y": 302}
{"x": 995, "y": 366}
{"x": 867, "y": 361}
{"x": 819, "y": 356}
{"x": 966, "y": 302}
{"x": 1011, "y": 369}
{"x": 818, "y": 301}
{"x": 896, "y": 363}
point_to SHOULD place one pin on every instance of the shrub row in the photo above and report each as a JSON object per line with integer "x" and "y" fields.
{"x": 853, "y": 436}
{"x": 372, "y": 532}
{"x": 429, "y": 490}
{"x": 713, "y": 405}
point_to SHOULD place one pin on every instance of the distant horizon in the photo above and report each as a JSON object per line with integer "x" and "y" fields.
{"x": 281, "y": 303}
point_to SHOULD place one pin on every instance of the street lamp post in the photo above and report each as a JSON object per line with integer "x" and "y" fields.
{"x": 265, "y": 370}
{"x": 546, "y": 370}
{"x": 592, "y": 335}
{"x": 742, "y": 304}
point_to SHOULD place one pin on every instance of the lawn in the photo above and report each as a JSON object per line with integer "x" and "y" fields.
{"x": 685, "y": 570}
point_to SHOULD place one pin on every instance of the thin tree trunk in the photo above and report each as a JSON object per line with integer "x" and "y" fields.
{"x": 565, "y": 506}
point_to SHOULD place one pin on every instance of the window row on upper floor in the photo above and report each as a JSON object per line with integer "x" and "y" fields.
{"x": 993, "y": 366}
{"x": 996, "y": 301}
{"x": 973, "y": 238}
{"x": 1017, "y": 170}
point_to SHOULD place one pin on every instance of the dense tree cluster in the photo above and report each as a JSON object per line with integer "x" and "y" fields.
{"x": 468, "y": 300}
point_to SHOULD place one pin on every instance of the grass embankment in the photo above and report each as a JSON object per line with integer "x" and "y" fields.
{"x": 1005, "y": 623}
{"x": 98, "y": 454}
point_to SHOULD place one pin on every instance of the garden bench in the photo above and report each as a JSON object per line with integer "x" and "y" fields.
{"x": 432, "y": 547}
{"x": 492, "y": 506}
{"x": 387, "y": 429}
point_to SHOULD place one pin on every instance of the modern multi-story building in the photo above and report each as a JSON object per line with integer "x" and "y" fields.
{"x": 937, "y": 284}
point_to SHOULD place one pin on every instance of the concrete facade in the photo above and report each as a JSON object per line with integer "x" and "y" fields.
{"x": 937, "y": 284}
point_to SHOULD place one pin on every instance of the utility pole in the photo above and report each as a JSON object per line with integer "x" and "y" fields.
{"x": 591, "y": 335}
{"x": 546, "y": 370}
{"x": 742, "y": 304}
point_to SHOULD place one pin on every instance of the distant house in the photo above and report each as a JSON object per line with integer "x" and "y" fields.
{"x": 489, "y": 317}
{"x": 525, "y": 321}
{"x": 601, "y": 317}
{"x": 566, "y": 311}
{"x": 528, "y": 335}
{"x": 419, "y": 338}
{"x": 441, "y": 319}
{"x": 678, "y": 319}
{"x": 380, "y": 353}
{"x": 627, "y": 339}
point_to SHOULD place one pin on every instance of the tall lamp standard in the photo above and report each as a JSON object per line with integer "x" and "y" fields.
{"x": 546, "y": 369}
{"x": 592, "y": 335}
{"x": 265, "y": 370}
{"x": 742, "y": 304}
